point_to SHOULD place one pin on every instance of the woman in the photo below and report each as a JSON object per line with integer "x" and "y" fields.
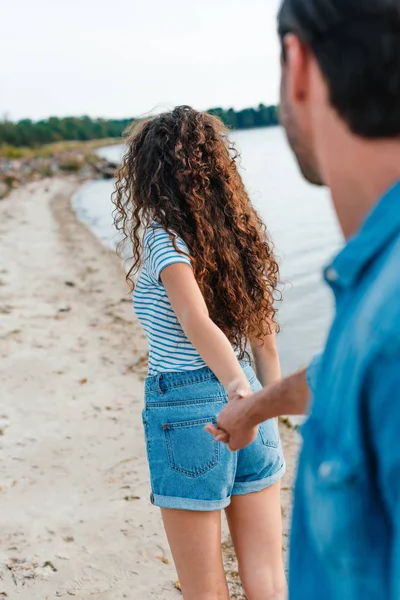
{"x": 205, "y": 289}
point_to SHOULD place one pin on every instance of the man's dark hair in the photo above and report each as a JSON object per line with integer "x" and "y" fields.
{"x": 357, "y": 46}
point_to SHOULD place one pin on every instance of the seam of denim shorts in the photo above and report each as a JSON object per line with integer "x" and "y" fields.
{"x": 250, "y": 487}
{"x": 190, "y": 503}
{"x": 222, "y": 394}
{"x": 195, "y": 379}
{"x": 196, "y": 402}
{"x": 173, "y": 386}
{"x": 190, "y": 383}
{"x": 189, "y": 423}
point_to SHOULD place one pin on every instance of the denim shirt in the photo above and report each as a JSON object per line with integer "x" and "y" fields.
{"x": 346, "y": 523}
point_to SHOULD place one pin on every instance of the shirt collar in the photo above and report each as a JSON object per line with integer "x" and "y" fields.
{"x": 380, "y": 227}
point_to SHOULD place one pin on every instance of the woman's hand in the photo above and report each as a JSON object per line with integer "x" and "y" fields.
{"x": 234, "y": 425}
{"x": 237, "y": 391}
{"x": 239, "y": 388}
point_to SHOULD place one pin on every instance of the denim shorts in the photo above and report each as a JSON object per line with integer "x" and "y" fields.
{"x": 188, "y": 469}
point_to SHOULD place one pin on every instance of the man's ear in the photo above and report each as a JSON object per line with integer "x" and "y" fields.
{"x": 295, "y": 57}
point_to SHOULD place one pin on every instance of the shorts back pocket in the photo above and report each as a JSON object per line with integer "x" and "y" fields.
{"x": 269, "y": 433}
{"x": 191, "y": 450}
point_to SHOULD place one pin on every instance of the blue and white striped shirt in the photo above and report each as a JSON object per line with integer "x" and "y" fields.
{"x": 169, "y": 348}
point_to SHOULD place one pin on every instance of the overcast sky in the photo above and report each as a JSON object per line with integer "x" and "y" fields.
{"x": 124, "y": 58}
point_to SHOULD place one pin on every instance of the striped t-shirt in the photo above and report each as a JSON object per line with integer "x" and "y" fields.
{"x": 169, "y": 348}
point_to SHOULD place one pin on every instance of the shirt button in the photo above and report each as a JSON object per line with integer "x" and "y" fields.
{"x": 325, "y": 470}
{"x": 331, "y": 274}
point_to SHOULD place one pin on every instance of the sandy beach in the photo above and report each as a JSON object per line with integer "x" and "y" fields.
{"x": 75, "y": 516}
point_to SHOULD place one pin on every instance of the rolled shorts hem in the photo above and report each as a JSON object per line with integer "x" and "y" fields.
{"x": 239, "y": 489}
{"x": 250, "y": 487}
{"x": 189, "y": 503}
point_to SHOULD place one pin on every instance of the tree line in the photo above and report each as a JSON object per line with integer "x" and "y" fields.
{"x": 30, "y": 133}
{"x": 263, "y": 116}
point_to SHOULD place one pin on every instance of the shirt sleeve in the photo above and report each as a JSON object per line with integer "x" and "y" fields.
{"x": 161, "y": 252}
{"x": 384, "y": 424}
{"x": 312, "y": 372}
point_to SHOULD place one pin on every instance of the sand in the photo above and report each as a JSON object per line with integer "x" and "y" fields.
{"x": 75, "y": 516}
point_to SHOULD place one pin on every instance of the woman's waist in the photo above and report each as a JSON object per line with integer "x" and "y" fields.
{"x": 169, "y": 380}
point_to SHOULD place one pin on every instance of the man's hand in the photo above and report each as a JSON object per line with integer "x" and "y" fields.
{"x": 234, "y": 428}
{"x": 238, "y": 422}
{"x": 237, "y": 391}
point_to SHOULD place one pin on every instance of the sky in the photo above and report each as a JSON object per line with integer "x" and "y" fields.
{"x": 127, "y": 58}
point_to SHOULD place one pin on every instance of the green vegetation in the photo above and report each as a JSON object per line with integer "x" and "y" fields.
{"x": 55, "y": 149}
{"x": 263, "y": 116}
{"x": 19, "y": 166}
{"x": 30, "y": 134}
{"x": 27, "y": 133}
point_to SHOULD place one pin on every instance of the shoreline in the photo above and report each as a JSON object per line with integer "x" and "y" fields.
{"x": 20, "y": 166}
{"x": 75, "y": 515}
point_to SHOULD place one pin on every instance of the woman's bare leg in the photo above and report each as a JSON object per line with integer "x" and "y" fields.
{"x": 255, "y": 522}
{"x": 195, "y": 542}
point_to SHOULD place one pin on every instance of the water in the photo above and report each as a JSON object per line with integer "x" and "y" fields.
{"x": 301, "y": 222}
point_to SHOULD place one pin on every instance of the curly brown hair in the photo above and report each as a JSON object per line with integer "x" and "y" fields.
{"x": 180, "y": 171}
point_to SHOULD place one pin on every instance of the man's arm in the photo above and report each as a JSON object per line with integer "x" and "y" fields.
{"x": 288, "y": 396}
{"x": 237, "y": 423}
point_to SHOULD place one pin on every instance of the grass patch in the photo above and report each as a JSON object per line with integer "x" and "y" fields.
{"x": 49, "y": 150}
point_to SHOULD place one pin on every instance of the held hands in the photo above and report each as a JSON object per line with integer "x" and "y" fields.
{"x": 233, "y": 426}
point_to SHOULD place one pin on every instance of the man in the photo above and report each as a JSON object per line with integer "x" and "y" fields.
{"x": 340, "y": 107}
